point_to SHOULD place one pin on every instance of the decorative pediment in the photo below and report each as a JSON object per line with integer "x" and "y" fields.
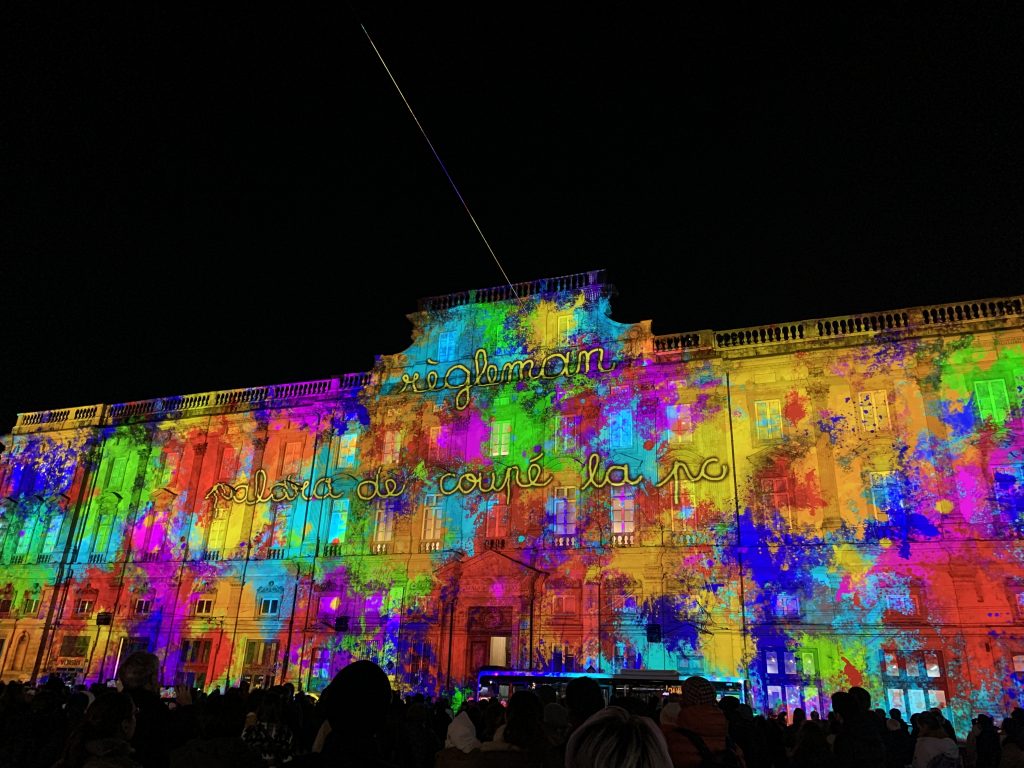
{"x": 271, "y": 588}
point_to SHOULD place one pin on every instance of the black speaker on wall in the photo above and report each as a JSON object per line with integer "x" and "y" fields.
{"x": 654, "y": 633}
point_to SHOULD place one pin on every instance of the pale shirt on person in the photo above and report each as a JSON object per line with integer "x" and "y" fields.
{"x": 928, "y": 747}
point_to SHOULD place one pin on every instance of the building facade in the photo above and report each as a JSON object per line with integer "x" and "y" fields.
{"x": 532, "y": 484}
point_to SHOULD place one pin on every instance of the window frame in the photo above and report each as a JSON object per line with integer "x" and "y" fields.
{"x": 768, "y": 426}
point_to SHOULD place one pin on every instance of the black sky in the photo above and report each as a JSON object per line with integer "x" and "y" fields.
{"x": 207, "y": 198}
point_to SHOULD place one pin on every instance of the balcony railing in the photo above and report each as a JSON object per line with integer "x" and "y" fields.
{"x": 332, "y": 550}
{"x": 380, "y": 548}
{"x": 430, "y": 546}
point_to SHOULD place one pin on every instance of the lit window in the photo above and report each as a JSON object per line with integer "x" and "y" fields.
{"x": 269, "y": 606}
{"x": 433, "y": 517}
{"x": 621, "y": 426}
{"x": 501, "y": 438}
{"x": 1008, "y": 489}
{"x": 337, "y": 523}
{"x": 1018, "y": 662}
{"x": 564, "y": 327}
{"x": 892, "y": 665}
{"x": 392, "y": 446}
{"x": 446, "y": 345}
{"x": 623, "y": 509}
{"x": 936, "y": 699}
{"x": 384, "y": 524}
{"x": 203, "y": 607}
{"x": 437, "y": 450}
{"x": 347, "y": 449}
{"x": 874, "y": 410}
{"x": 775, "y": 495}
{"x": 992, "y": 402}
{"x": 83, "y": 606}
{"x": 768, "y": 419}
{"x": 931, "y": 664}
{"x": 679, "y": 419}
{"x": 809, "y": 665}
{"x": 789, "y": 662}
{"x": 29, "y": 605}
{"x": 565, "y": 511}
{"x": 568, "y": 434}
{"x": 771, "y": 662}
{"x": 885, "y": 492}
{"x": 787, "y": 606}
{"x": 143, "y": 606}
{"x": 901, "y": 602}
{"x": 495, "y": 519}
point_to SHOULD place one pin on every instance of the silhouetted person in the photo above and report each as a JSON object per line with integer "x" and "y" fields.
{"x": 158, "y": 729}
{"x": 102, "y": 738}
{"x": 859, "y": 742}
{"x": 614, "y": 738}
{"x": 355, "y": 705}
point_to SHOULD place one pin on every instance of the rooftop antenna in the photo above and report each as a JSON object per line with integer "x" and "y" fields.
{"x": 441, "y": 163}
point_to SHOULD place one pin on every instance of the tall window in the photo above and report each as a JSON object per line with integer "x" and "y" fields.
{"x": 768, "y": 419}
{"x": 269, "y": 606}
{"x": 568, "y": 434}
{"x": 873, "y": 406}
{"x": 679, "y": 422}
{"x": 501, "y": 438}
{"x": 195, "y": 651}
{"x": 218, "y": 527}
{"x": 74, "y": 645}
{"x": 347, "y": 449}
{"x": 621, "y": 426}
{"x": 438, "y": 448}
{"x": 392, "y": 446}
{"x": 384, "y": 522}
{"x": 885, "y": 492}
{"x": 337, "y": 523}
{"x": 565, "y": 511}
{"x": 143, "y": 606}
{"x": 565, "y": 325}
{"x": 775, "y": 496}
{"x": 202, "y": 607}
{"x": 993, "y": 404}
{"x": 495, "y": 518}
{"x": 787, "y": 606}
{"x": 446, "y": 345}
{"x": 623, "y": 509}
{"x": 433, "y": 517}
{"x": 260, "y": 653}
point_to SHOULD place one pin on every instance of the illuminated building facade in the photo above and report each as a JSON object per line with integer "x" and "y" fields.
{"x": 808, "y": 506}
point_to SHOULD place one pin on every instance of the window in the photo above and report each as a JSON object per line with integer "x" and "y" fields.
{"x": 885, "y": 493}
{"x": 439, "y": 444}
{"x": 679, "y": 421}
{"x": 347, "y": 450}
{"x": 565, "y": 325}
{"x": 392, "y": 446}
{"x": 501, "y": 438}
{"x": 260, "y": 653}
{"x": 565, "y": 511}
{"x": 768, "y": 419}
{"x": 621, "y": 427}
{"x": 900, "y": 601}
{"x": 321, "y": 668}
{"x": 29, "y": 604}
{"x": 563, "y": 603}
{"x": 495, "y": 519}
{"x": 202, "y": 607}
{"x": 384, "y": 522}
{"x": 568, "y": 440}
{"x": 775, "y": 496}
{"x": 990, "y": 395}
{"x": 84, "y": 606}
{"x": 623, "y": 509}
{"x": 446, "y": 344}
{"x": 789, "y": 663}
{"x": 5, "y": 606}
{"x": 269, "y": 606}
{"x": 337, "y": 522}
{"x": 1008, "y": 489}
{"x": 433, "y": 517}
{"x": 787, "y": 606}
{"x": 1018, "y": 662}
{"x": 891, "y": 664}
{"x": 142, "y": 606}
{"x": 873, "y": 407}
{"x": 74, "y": 645}
{"x": 195, "y": 651}
{"x": 771, "y": 662}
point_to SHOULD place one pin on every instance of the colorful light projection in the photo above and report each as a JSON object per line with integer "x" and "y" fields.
{"x": 534, "y": 484}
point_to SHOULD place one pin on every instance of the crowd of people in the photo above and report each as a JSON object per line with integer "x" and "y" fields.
{"x": 358, "y": 721}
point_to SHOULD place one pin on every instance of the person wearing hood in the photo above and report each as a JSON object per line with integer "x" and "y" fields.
{"x": 932, "y": 742}
{"x": 102, "y": 739}
{"x": 699, "y": 714}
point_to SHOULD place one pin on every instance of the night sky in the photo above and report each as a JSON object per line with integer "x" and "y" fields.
{"x": 202, "y": 199}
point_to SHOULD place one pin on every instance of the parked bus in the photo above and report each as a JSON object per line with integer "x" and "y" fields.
{"x": 641, "y": 683}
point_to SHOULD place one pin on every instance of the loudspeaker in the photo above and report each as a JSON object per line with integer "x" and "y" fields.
{"x": 104, "y": 618}
{"x": 654, "y": 633}
{"x": 341, "y": 623}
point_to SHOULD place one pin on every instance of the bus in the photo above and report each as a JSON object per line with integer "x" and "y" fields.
{"x": 644, "y": 684}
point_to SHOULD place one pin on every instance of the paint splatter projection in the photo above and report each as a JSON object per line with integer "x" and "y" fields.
{"x": 532, "y": 483}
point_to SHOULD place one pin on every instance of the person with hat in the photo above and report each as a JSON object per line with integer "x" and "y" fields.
{"x": 700, "y": 721}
